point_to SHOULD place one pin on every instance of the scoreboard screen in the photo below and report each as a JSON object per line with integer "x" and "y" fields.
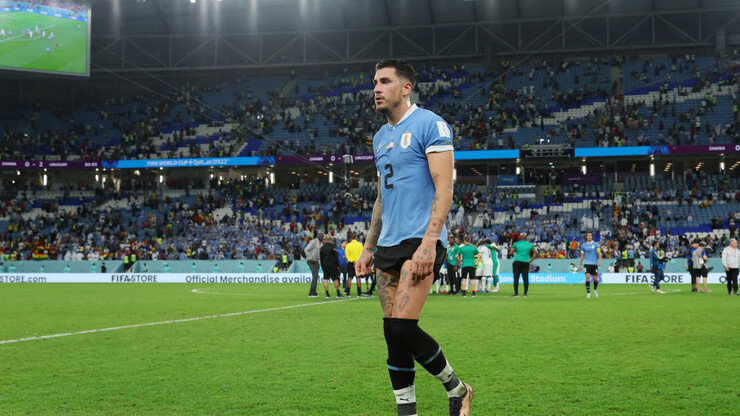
{"x": 45, "y": 36}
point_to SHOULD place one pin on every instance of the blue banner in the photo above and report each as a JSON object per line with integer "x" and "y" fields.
{"x": 486, "y": 154}
{"x": 181, "y": 163}
{"x": 547, "y": 278}
{"x": 612, "y": 151}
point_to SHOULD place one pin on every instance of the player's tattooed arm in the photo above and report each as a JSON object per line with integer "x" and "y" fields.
{"x": 440, "y": 167}
{"x": 376, "y": 223}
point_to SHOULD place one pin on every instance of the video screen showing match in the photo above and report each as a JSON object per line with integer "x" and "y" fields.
{"x": 45, "y": 36}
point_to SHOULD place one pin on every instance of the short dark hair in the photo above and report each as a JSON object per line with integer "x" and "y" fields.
{"x": 403, "y": 69}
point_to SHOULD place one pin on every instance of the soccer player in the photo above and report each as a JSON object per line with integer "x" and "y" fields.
{"x": 486, "y": 255}
{"x": 591, "y": 256}
{"x": 731, "y": 261}
{"x": 496, "y": 268}
{"x": 2, "y": 32}
{"x": 353, "y": 251}
{"x": 330, "y": 265}
{"x": 657, "y": 266}
{"x": 468, "y": 253}
{"x": 524, "y": 253}
{"x": 414, "y": 158}
{"x": 442, "y": 279}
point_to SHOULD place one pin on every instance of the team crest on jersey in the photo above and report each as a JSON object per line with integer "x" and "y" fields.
{"x": 406, "y": 140}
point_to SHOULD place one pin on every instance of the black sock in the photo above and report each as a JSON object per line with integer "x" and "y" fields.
{"x": 327, "y": 293}
{"x": 400, "y": 360}
{"x": 359, "y": 292}
{"x": 588, "y": 286}
{"x": 339, "y": 293}
{"x": 596, "y": 284}
{"x": 424, "y": 348}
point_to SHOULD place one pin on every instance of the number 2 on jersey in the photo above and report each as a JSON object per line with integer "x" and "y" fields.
{"x": 388, "y": 167}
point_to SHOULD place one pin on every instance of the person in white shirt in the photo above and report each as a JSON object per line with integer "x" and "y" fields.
{"x": 731, "y": 261}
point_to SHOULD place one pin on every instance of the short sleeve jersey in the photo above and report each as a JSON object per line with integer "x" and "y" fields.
{"x": 406, "y": 185}
{"x": 468, "y": 252}
{"x": 590, "y": 253}
{"x": 485, "y": 254}
{"x": 522, "y": 250}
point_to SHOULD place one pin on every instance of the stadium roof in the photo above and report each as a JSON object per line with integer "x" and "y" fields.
{"x": 229, "y": 16}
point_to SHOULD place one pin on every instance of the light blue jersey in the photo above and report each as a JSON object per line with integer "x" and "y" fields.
{"x": 590, "y": 251}
{"x": 405, "y": 182}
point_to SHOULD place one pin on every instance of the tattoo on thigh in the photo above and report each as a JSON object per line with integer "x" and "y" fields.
{"x": 387, "y": 286}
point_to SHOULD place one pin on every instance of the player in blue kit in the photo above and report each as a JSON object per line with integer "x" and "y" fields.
{"x": 405, "y": 242}
{"x": 591, "y": 257}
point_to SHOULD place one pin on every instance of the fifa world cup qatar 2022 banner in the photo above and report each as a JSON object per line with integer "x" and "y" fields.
{"x": 252, "y": 278}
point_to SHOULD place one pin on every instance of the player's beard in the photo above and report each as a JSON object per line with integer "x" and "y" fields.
{"x": 382, "y": 110}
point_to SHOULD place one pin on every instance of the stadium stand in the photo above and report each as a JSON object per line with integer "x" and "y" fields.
{"x": 684, "y": 100}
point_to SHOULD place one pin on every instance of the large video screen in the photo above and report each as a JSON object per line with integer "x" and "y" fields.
{"x": 45, "y": 36}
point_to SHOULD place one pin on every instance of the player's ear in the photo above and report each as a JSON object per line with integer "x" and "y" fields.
{"x": 407, "y": 87}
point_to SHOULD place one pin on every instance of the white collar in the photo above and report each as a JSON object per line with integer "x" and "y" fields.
{"x": 406, "y": 115}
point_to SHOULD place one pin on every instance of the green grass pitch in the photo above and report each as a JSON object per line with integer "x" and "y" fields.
{"x": 629, "y": 352}
{"x": 22, "y": 51}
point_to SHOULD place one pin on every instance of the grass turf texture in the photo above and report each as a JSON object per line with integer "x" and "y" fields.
{"x": 21, "y": 51}
{"x": 628, "y": 352}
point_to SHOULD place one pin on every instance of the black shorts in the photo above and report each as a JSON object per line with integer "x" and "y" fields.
{"x": 331, "y": 275}
{"x": 392, "y": 258}
{"x": 469, "y": 272}
{"x": 351, "y": 270}
{"x": 591, "y": 269}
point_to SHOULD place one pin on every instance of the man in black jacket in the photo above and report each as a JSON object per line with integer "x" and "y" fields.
{"x": 330, "y": 264}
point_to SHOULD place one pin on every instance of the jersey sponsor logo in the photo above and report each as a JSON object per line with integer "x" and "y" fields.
{"x": 390, "y": 145}
{"x": 406, "y": 140}
{"x": 444, "y": 131}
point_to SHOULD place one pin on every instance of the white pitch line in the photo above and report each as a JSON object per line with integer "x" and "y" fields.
{"x": 641, "y": 293}
{"x": 174, "y": 321}
{"x": 203, "y": 292}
